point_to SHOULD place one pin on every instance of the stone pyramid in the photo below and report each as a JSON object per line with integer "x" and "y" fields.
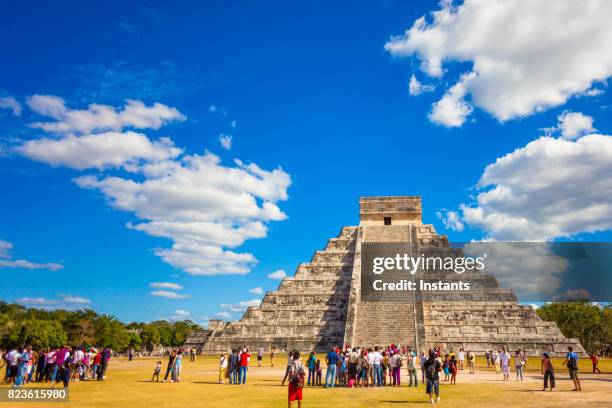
{"x": 322, "y": 305}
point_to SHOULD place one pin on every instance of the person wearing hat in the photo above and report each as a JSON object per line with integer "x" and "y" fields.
{"x": 548, "y": 371}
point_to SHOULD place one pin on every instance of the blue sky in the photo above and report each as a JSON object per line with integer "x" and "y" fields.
{"x": 320, "y": 93}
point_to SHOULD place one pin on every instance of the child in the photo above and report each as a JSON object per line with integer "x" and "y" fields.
{"x": 446, "y": 368}
{"x": 319, "y": 372}
{"x": 156, "y": 371}
{"x": 548, "y": 371}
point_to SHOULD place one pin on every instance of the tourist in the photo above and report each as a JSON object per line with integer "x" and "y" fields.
{"x": 289, "y": 365}
{"x": 234, "y": 363}
{"x": 156, "y": 371}
{"x": 370, "y": 369}
{"x": 130, "y": 354}
{"x": 65, "y": 372}
{"x": 97, "y": 361}
{"x": 319, "y": 373}
{"x": 519, "y": 363}
{"x": 296, "y": 382}
{"x": 377, "y": 367}
{"x": 363, "y": 369}
{"x": 452, "y": 368}
{"x": 50, "y": 366}
{"x": 353, "y": 359}
{"x": 222, "y": 367}
{"x": 22, "y": 367}
{"x": 192, "y": 354}
{"x": 260, "y": 353}
{"x": 343, "y": 368}
{"x": 169, "y": 367}
{"x": 548, "y": 371}
{"x": 12, "y": 362}
{"x": 385, "y": 367}
{"x": 496, "y": 362}
{"x": 396, "y": 364}
{"x": 471, "y": 361}
{"x": 411, "y": 367}
{"x": 423, "y": 359}
{"x": 504, "y": 360}
{"x": 245, "y": 356}
{"x": 272, "y": 354}
{"x": 432, "y": 368}
{"x": 446, "y": 367}
{"x": 311, "y": 363}
{"x": 30, "y": 366}
{"x": 76, "y": 363}
{"x": 595, "y": 362}
{"x": 178, "y": 367}
{"x": 41, "y": 367}
{"x": 571, "y": 362}
{"x": 339, "y": 367}
{"x": 104, "y": 359}
{"x": 461, "y": 357}
{"x": 330, "y": 360}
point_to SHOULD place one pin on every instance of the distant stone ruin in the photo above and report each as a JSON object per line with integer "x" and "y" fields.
{"x": 322, "y": 305}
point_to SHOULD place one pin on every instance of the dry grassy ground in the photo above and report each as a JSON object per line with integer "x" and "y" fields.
{"x": 128, "y": 385}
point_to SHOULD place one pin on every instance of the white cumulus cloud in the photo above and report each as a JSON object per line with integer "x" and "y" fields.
{"x": 277, "y": 275}
{"x": 10, "y": 103}
{"x": 257, "y": 291}
{"x": 240, "y": 306}
{"x": 75, "y": 299}
{"x": 203, "y": 206}
{"x": 524, "y": 55}
{"x": 165, "y": 285}
{"x": 573, "y": 125}
{"x": 550, "y": 188}
{"x": 97, "y": 117}
{"x": 7, "y": 260}
{"x": 109, "y": 149}
{"x": 168, "y": 294}
{"x": 415, "y": 87}
{"x": 225, "y": 141}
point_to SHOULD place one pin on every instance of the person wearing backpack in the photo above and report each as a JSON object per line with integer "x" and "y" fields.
{"x": 571, "y": 362}
{"x": 296, "y": 382}
{"x": 432, "y": 375}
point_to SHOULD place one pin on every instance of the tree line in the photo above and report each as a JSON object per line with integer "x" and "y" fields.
{"x": 590, "y": 323}
{"x": 44, "y": 329}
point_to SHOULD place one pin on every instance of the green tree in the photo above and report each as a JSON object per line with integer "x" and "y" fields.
{"x": 150, "y": 336}
{"x": 40, "y": 334}
{"x": 579, "y": 319}
{"x": 110, "y": 332}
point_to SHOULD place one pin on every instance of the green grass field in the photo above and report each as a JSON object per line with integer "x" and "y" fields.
{"x": 128, "y": 385}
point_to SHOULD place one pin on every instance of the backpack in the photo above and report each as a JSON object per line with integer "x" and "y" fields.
{"x": 572, "y": 363}
{"x": 298, "y": 377}
{"x": 431, "y": 371}
{"x": 400, "y": 361}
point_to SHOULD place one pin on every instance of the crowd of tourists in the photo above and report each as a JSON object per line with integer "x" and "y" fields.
{"x": 382, "y": 367}
{"x": 63, "y": 364}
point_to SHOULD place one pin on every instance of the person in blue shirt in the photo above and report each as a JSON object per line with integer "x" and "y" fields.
{"x": 331, "y": 360}
{"x": 23, "y": 366}
{"x": 571, "y": 362}
{"x": 312, "y": 367}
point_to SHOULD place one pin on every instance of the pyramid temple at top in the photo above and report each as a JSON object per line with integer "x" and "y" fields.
{"x": 323, "y": 304}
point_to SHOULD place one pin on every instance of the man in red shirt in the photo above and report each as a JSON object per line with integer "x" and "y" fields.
{"x": 245, "y": 356}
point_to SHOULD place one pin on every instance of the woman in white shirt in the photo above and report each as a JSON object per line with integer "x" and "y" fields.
{"x": 222, "y": 367}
